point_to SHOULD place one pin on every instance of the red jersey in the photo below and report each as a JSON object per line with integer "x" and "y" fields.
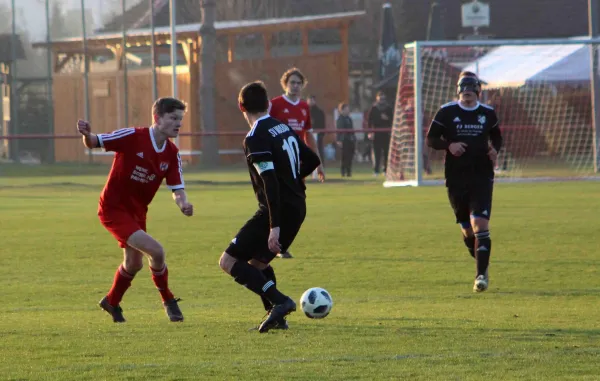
{"x": 138, "y": 169}
{"x": 294, "y": 114}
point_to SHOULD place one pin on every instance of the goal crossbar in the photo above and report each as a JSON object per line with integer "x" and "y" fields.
{"x": 514, "y": 42}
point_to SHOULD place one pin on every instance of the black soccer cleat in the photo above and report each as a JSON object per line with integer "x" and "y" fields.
{"x": 172, "y": 309}
{"x": 281, "y": 323}
{"x": 278, "y": 313}
{"x": 115, "y": 311}
{"x": 285, "y": 255}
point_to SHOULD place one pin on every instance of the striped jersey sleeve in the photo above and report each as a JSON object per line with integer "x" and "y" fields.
{"x": 175, "y": 174}
{"x": 118, "y": 140}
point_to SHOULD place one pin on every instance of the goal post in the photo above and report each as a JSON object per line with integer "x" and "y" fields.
{"x": 542, "y": 91}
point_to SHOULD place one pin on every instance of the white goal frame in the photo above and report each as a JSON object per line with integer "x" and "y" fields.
{"x": 418, "y": 46}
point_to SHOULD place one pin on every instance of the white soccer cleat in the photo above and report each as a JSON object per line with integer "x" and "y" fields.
{"x": 481, "y": 284}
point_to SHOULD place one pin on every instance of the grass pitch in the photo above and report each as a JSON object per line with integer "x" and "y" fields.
{"x": 392, "y": 259}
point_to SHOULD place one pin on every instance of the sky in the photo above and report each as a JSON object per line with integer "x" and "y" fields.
{"x": 34, "y": 12}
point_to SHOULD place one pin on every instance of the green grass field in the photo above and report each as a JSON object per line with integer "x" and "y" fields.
{"x": 392, "y": 259}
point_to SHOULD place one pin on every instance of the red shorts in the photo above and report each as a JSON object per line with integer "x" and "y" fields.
{"x": 121, "y": 224}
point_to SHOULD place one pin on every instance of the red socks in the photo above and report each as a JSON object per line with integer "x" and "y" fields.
{"x": 120, "y": 284}
{"x": 161, "y": 281}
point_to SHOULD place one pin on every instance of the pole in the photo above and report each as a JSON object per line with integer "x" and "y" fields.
{"x": 153, "y": 52}
{"x": 173, "y": 13}
{"x": 49, "y": 85}
{"x": 208, "y": 35}
{"x": 14, "y": 101}
{"x": 418, "y": 117}
{"x": 595, "y": 91}
{"x": 86, "y": 67}
{"x": 173, "y": 22}
{"x": 124, "y": 58}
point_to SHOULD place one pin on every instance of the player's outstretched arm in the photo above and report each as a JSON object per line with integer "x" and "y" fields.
{"x": 314, "y": 146}
{"x": 90, "y": 140}
{"x": 309, "y": 160}
{"x": 181, "y": 200}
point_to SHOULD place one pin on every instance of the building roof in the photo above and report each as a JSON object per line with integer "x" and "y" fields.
{"x": 222, "y": 27}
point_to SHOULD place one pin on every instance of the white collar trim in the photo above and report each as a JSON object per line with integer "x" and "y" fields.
{"x": 158, "y": 150}
{"x": 259, "y": 119}
{"x": 290, "y": 101}
{"x": 468, "y": 108}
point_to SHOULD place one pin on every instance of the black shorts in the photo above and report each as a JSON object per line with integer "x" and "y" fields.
{"x": 474, "y": 199}
{"x": 251, "y": 242}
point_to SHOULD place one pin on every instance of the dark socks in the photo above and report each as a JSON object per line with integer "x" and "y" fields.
{"x": 254, "y": 280}
{"x": 483, "y": 250}
{"x": 269, "y": 274}
{"x": 470, "y": 244}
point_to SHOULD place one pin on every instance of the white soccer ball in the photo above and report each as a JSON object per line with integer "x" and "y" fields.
{"x": 316, "y": 303}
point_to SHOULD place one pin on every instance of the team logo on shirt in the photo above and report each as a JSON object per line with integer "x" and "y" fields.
{"x": 303, "y": 112}
{"x": 481, "y": 119}
{"x": 164, "y": 166}
{"x": 286, "y": 111}
{"x": 295, "y": 125}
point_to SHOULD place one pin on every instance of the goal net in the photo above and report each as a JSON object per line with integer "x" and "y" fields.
{"x": 541, "y": 91}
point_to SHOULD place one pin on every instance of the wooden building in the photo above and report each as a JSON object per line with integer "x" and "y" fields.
{"x": 247, "y": 50}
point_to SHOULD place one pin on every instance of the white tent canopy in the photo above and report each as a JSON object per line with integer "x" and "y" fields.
{"x": 513, "y": 66}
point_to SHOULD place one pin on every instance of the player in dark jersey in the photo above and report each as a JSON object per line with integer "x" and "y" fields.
{"x": 470, "y": 134}
{"x": 278, "y": 161}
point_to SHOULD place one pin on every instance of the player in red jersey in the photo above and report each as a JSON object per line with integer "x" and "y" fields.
{"x": 143, "y": 158}
{"x": 295, "y": 112}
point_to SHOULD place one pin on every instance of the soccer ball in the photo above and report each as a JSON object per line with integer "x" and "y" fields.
{"x": 316, "y": 303}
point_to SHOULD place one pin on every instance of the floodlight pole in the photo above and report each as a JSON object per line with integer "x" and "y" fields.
{"x": 14, "y": 98}
{"x": 595, "y": 91}
{"x": 173, "y": 23}
{"x": 86, "y": 69}
{"x": 172, "y": 11}
{"x": 49, "y": 84}
{"x": 208, "y": 35}
{"x": 153, "y": 52}
{"x": 124, "y": 58}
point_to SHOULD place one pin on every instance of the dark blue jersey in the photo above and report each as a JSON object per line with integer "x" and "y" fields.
{"x": 477, "y": 127}
{"x": 273, "y": 145}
